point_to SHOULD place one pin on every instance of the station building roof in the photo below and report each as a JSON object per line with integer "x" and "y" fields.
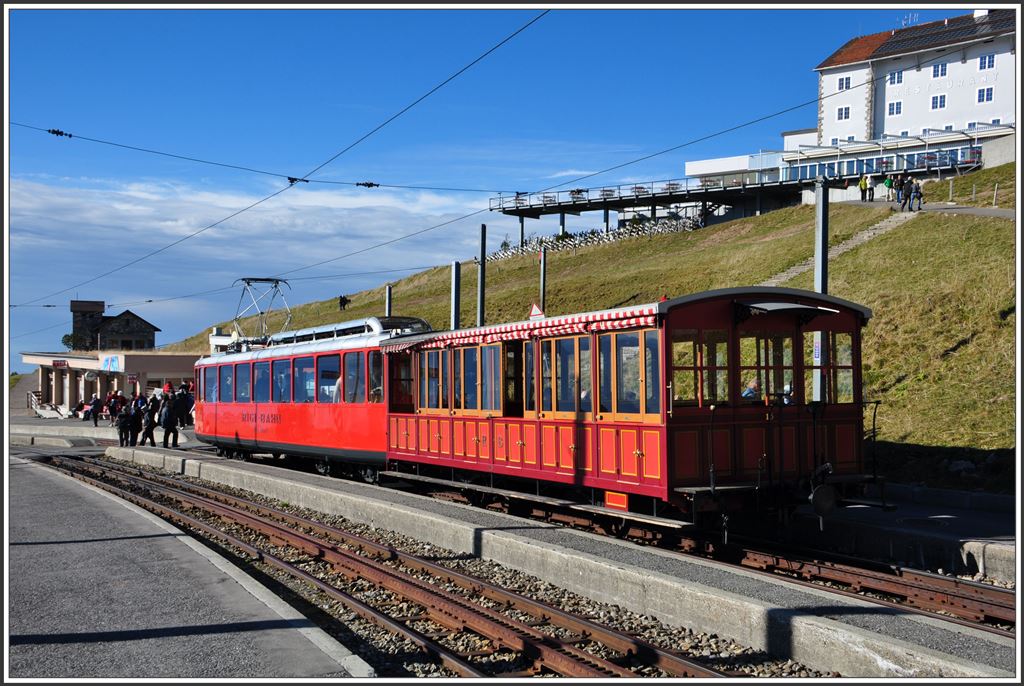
{"x": 936, "y": 34}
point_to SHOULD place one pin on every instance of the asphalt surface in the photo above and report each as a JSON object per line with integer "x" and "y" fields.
{"x": 101, "y": 589}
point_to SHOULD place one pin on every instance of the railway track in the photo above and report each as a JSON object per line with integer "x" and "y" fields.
{"x": 958, "y": 601}
{"x": 429, "y": 605}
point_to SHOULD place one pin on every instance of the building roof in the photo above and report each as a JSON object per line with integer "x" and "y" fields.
{"x": 928, "y": 36}
{"x": 108, "y": 320}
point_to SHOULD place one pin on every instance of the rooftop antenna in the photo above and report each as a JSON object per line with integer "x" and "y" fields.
{"x": 264, "y": 288}
{"x": 909, "y": 19}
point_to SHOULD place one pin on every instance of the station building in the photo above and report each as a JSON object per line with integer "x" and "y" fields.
{"x": 108, "y": 353}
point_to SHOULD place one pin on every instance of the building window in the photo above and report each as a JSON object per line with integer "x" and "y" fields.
{"x": 938, "y": 70}
{"x": 895, "y": 77}
{"x": 971, "y": 125}
{"x": 985, "y": 94}
{"x": 835, "y": 141}
{"x": 849, "y": 139}
{"x": 842, "y": 113}
{"x": 948, "y": 127}
{"x": 904, "y": 134}
{"x": 938, "y": 102}
{"x": 986, "y": 62}
{"x": 996, "y": 122}
{"x": 844, "y": 83}
{"x": 896, "y": 108}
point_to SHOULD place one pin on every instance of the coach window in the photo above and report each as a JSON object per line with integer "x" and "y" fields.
{"x": 242, "y": 382}
{"x": 227, "y": 373}
{"x": 400, "y": 382}
{"x": 261, "y": 383}
{"x": 470, "y": 376}
{"x": 572, "y": 381}
{"x": 355, "y": 378}
{"x": 490, "y": 378}
{"x": 834, "y": 357}
{"x": 376, "y": 360}
{"x": 766, "y": 366}
{"x": 434, "y": 380}
{"x": 545, "y": 374}
{"x": 282, "y": 381}
{"x": 529, "y": 403}
{"x": 210, "y": 388}
{"x": 629, "y": 364}
{"x": 304, "y": 380}
{"x": 685, "y": 390}
{"x": 328, "y": 378}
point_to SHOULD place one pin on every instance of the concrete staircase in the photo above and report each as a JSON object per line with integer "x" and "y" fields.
{"x": 882, "y": 227}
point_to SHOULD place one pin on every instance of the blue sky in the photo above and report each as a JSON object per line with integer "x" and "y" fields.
{"x": 284, "y": 90}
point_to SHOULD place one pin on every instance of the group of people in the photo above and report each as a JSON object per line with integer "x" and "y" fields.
{"x": 905, "y": 190}
{"x": 135, "y": 416}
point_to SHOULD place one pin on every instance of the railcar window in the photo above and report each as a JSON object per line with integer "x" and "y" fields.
{"x": 304, "y": 380}
{"x": 227, "y": 373}
{"x": 830, "y": 352}
{"x": 329, "y": 378}
{"x": 586, "y": 381}
{"x": 355, "y": 379}
{"x": 282, "y": 381}
{"x": 528, "y": 371}
{"x": 766, "y": 365}
{"x": 565, "y": 374}
{"x": 652, "y": 373}
{"x": 627, "y": 377}
{"x": 210, "y": 389}
{"x": 261, "y": 385}
{"x": 243, "y": 379}
{"x": 376, "y": 377}
{"x": 604, "y": 371}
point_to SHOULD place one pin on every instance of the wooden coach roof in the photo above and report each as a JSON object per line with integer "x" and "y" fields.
{"x": 621, "y": 318}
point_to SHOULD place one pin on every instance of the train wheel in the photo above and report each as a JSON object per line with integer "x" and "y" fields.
{"x": 369, "y": 475}
{"x": 323, "y": 467}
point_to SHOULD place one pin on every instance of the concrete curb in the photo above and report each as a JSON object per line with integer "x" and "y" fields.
{"x": 25, "y": 439}
{"x": 817, "y": 641}
{"x": 965, "y": 500}
{"x": 345, "y": 658}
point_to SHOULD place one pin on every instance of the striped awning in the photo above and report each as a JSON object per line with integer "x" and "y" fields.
{"x": 576, "y": 324}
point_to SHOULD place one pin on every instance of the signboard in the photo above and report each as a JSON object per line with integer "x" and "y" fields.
{"x": 133, "y": 378}
{"x": 536, "y": 312}
{"x": 60, "y": 363}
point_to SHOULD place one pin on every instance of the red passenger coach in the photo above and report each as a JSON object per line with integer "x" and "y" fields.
{"x": 315, "y": 393}
{"x": 705, "y": 403}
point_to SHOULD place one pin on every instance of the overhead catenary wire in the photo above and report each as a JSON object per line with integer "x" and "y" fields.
{"x": 363, "y": 184}
{"x": 293, "y": 180}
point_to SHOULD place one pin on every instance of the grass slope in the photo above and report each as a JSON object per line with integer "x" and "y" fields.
{"x": 977, "y": 188}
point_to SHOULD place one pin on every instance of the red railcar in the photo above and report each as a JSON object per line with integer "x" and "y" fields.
{"x": 315, "y": 392}
{"x": 702, "y": 403}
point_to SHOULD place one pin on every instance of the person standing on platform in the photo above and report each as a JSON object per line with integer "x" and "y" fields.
{"x": 124, "y": 426}
{"x": 95, "y": 408}
{"x": 169, "y": 420}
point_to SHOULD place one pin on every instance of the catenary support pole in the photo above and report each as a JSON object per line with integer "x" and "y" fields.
{"x": 481, "y": 276}
{"x": 543, "y": 276}
{"x": 820, "y": 352}
{"x": 387, "y": 300}
{"x": 456, "y": 291}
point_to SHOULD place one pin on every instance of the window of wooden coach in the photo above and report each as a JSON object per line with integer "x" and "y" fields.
{"x": 629, "y": 376}
{"x": 566, "y": 378}
{"x": 766, "y": 366}
{"x": 700, "y": 367}
{"x": 830, "y": 352}
{"x": 400, "y": 382}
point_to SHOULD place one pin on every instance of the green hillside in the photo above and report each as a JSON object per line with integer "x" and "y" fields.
{"x": 938, "y": 353}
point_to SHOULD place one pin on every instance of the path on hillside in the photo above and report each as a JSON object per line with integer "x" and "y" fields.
{"x": 882, "y": 227}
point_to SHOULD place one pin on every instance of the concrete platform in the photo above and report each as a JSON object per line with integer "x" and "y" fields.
{"x": 852, "y": 637}
{"x": 76, "y": 428}
{"x": 101, "y": 589}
